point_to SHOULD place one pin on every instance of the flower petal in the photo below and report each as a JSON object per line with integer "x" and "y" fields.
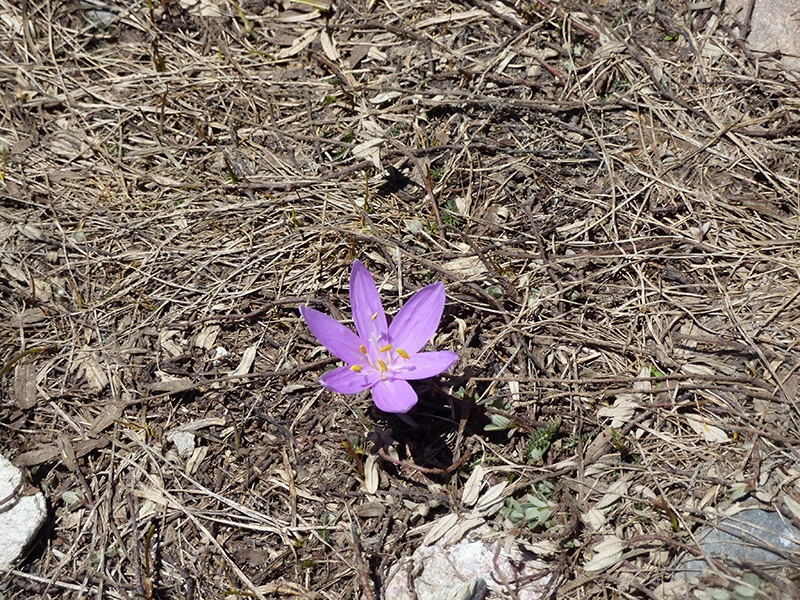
{"x": 337, "y": 338}
{"x": 346, "y": 381}
{"x": 394, "y": 396}
{"x": 366, "y": 305}
{"x": 426, "y": 364}
{"x": 417, "y": 321}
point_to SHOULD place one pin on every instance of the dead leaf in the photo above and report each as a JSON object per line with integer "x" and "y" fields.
{"x": 621, "y": 412}
{"x": 709, "y": 433}
{"x": 14, "y": 271}
{"x": 370, "y": 150}
{"x": 492, "y": 499}
{"x": 440, "y": 527}
{"x": 473, "y": 13}
{"x": 169, "y": 345}
{"x": 383, "y": 97}
{"x": 598, "y": 446}
{"x": 151, "y": 494}
{"x": 25, "y": 385}
{"x": 370, "y": 510}
{"x": 27, "y": 318}
{"x": 197, "y": 458}
{"x": 36, "y": 457}
{"x": 199, "y": 424}
{"x": 93, "y": 374}
{"x": 791, "y": 504}
{"x": 594, "y": 519}
{"x": 299, "y": 45}
{"x": 468, "y": 267}
{"x": 542, "y": 547}
{"x": 171, "y": 386}
{"x": 328, "y": 46}
{"x": 47, "y": 453}
{"x": 608, "y": 553}
{"x": 695, "y": 369}
{"x": 109, "y": 414}
{"x": 609, "y": 47}
{"x": 210, "y": 9}
{"x": 464, "y": 526}
{"x": 67, "y": 451}
{"x": 472, "y": 488}
{"x": 42, "y": 290}
{"x": 207, "y": 337}
{"x": 372, "y": 476}
{"x": 31, "y": 232}
{"x": 245, "y": 365}
{"x": 615, "y": 491}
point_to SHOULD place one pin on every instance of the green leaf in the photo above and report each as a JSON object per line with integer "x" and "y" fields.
{"x": 499, "y": 423}
{"x": 540, "y": 440}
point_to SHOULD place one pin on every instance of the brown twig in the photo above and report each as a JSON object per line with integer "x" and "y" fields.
{"x": 426, "y": 470}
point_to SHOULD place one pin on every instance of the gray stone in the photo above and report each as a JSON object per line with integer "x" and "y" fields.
{"x": 21, "y": 516}
{"x": 750, "y": 536}
{"x": 774, "y": 26}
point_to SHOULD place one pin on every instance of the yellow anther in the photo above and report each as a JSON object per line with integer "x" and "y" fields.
{"x": 386, "y": 348}
{"x": 363, "y": 349}
{"x": 356, "y": 368}
{"x": 374, "y": 316}
{"x": 403, "y": 353}
{"x": 382, "y": 365}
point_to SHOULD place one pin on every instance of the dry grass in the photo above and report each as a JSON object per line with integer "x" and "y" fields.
{"x": 611, "y": 197}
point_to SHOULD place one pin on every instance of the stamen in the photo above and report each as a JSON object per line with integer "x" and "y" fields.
{"x": 362, "y": 348}
{"x": 386, "y": 348}
{"x": 382, "y": 365}
{"x": 356, "y": 368}
{"x": 403, "y": 353}
{"x": 374, "y": 316}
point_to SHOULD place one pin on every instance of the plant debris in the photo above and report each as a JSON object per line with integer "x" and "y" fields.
{"x": 608, "y": 192}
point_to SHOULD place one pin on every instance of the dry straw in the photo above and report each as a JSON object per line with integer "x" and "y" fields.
{"x": 609, "y": 195}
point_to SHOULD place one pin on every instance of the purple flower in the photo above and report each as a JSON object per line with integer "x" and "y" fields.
{"x": 382, "y": 357}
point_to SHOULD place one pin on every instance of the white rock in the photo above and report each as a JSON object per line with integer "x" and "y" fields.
{"x": 773, "y": 26}
{"x": 184, "y": 442}
{"x": 20, "y": 516}
{"x": 468, "y": 570}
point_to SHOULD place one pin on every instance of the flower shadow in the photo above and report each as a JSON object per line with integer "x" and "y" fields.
{"x": 427, "y": 437}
